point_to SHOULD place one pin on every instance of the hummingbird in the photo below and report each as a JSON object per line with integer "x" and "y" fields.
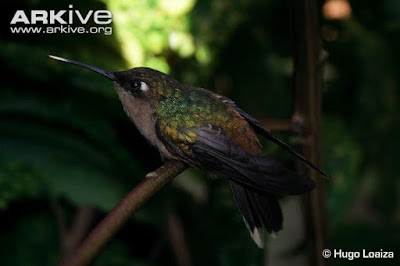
{"x": 209, "y": 131}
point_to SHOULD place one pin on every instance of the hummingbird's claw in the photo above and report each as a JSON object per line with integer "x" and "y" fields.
{"x": 151, "y": 174}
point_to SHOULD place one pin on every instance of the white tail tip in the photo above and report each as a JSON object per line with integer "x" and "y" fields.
{"x": 258, "y": 237}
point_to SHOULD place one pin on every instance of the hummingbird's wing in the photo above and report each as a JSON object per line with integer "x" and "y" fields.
{"x": 259, "y": 128}
{"x": 209, "y": 147}
{"x": 253, "y": 177}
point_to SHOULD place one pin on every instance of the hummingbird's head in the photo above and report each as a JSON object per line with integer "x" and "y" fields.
{"x": 135, "y": 86}
{"x": 145, "y": 83}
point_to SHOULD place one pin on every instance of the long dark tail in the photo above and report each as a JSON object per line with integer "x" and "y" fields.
{"x": 259, "y": 209}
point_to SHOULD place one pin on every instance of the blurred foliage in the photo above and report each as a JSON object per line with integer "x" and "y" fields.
{"x": 19, "y": 182}
{"x": 64, "y": 138}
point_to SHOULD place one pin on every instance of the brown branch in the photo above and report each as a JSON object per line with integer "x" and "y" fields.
{"x": 307, "y": 116}
{"x": 80, "y": 226}
{"x": 107, "y": 228}
{"x": 177, "y": 239}
{"x": 70, "y": 238}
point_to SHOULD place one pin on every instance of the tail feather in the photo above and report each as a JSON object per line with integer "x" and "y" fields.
{"x": 259, "y": 209}
{"x": 268, "y": 209}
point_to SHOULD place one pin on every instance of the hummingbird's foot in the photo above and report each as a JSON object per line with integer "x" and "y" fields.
{"x": 151, "y": 174}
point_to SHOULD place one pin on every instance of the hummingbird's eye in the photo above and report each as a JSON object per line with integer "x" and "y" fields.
{"x": 137, "y": 85}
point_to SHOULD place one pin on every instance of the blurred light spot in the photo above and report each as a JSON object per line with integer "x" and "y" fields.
{"x": 156, "y": 42}
{"x": 157, "y": 63}
{"x": 176, "y": 7}
{"x": 203, "y": 54}
{"x": 329, "y": 72}
{"x": 182, "y": 43}
{"x": 280, "y": 64}
{"x": 132, "y": 50}
{"x": 336, "y": 9}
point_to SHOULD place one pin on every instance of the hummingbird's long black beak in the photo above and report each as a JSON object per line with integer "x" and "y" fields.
{"x": 103, "y": 72}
